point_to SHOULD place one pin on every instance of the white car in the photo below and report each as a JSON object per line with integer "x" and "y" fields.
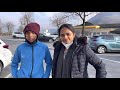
{"x": 18, "y": 35}
{"x": 5, "y": 56}
{"x": 2, "y": 43}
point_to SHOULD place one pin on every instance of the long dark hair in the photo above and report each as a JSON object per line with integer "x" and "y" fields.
{"x": 69, "y": 26}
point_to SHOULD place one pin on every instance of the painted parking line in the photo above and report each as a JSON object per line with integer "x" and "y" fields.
{"x": 108, "y": 54}
{"x": 110, "y": 60}
{"x": 8, "y": 76}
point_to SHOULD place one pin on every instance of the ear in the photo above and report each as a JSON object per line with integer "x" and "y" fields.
{"x": 74, "y": 34}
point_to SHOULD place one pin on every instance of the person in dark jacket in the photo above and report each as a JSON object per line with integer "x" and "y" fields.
{"x": 30, "y": 55}
{"x": 72, "y": 55}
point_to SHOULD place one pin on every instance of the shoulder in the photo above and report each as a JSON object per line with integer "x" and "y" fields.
{"x": 56, "y": 44}
{"x": 82, "y": 40}
{"x": 21, "y": 46}
{"x": 41, "y": 44}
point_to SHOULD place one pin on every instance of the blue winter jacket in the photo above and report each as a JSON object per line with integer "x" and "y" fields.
{"x": 28, "y": 61}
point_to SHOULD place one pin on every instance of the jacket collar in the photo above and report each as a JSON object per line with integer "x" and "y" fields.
{"x": 77, "y": 41}
{"x": 33, "y": 43}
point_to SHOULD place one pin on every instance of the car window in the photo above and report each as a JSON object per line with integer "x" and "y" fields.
{"x": 18, "y": 32}
{"x": 103, "y": 37}
{"x": 94, "y": 37}
{"x": 41, "y": 35}
{"x": 117, "y": 38}
{"x": 110, "y": 37}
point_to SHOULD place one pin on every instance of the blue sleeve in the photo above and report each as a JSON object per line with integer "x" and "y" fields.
{"x": 48, "y": 61}
{"x": 14, "y": 64}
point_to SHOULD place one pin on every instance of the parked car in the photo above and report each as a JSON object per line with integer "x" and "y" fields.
{"x": 18, "y": 35}
{"x": 2, "y": 44}
{"x": 45, "y": 38}
{"x": 53, "y": 36}
{"x": 5, "y": 56}
{"x": 105, "y": 43}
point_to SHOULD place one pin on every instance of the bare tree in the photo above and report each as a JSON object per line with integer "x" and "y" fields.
{"x": 20, "y": 28}
{"x": 26, "y": 18}
{"x": 81, "y": 15}
{"x": 58, "y": 19}
{"x": 10, "y": 26}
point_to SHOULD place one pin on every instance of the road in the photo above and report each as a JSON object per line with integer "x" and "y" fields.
{"x": 112, "y": 60}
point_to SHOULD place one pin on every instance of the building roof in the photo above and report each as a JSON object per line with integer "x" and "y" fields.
{"x": 116, "y": 31}
{"x": 87, "y": 25}
{"x": 110, "y": 25}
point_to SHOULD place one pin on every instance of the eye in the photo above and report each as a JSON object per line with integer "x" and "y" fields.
{"x": 62, "y": 35}
{"x": 68, "y": 34}
{"x": 32, "y": 32}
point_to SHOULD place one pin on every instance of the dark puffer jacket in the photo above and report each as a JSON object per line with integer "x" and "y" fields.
{"x": 81, "y": 56}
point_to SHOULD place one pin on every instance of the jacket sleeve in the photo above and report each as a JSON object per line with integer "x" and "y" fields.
{"x": 98, "y": 64}
{"x": 48, "y": 61}
{"x": 14, "y": 64}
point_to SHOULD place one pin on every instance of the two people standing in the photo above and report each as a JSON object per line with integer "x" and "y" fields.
{"x": 70, "y": 59}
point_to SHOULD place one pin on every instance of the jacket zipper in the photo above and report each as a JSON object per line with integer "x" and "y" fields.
{"x": 32, "y": 61}
{"x": 75, "y": 52}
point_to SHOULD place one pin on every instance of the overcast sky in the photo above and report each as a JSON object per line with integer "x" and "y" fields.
{"x": 41, "y": 17}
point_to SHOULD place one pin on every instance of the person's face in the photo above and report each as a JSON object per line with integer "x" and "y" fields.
{"x": 30, "y": 36}
{"x": 66, "y": 35}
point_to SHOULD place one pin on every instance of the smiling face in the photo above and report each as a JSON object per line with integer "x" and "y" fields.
{"x": 30, "y": 36}
{"x": 66, "y": 35}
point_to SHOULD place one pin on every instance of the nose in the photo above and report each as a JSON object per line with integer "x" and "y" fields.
{"x": 30, "y": 34}
{"x": 65, "y": 36}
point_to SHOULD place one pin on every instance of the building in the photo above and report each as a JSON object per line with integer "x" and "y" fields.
{"x": 91, "y": 29}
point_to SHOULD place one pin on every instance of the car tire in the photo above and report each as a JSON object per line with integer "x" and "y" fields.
{"x": 50, "y": 40}
{"x": 101, "y": 49}
{"x": 14, "y": 37}
{"x": 1, "y": 67}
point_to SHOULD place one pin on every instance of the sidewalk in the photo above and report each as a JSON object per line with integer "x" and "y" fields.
{"x": 113, "y": 69}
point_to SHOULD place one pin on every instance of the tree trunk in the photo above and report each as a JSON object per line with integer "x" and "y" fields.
{"x": 83, "y": 25}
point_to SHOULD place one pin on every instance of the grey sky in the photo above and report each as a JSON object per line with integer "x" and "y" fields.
{"x": 41, "y": 17}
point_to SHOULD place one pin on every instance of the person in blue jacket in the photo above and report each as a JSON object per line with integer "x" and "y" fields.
{"x": 28, "y": 60}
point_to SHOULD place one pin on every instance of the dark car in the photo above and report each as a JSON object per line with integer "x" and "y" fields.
{"x": 45, "y": 38}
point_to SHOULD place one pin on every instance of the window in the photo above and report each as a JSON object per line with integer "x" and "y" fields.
{"x": 117, "y": 38}
{"x": 110, "y": 37}
{"x": 103, "y": 33}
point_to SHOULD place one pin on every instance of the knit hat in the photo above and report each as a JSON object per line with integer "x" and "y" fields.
{"x": 34, "y": 27}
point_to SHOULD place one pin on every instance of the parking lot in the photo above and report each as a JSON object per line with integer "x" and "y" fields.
{"x": 112, "y": 60}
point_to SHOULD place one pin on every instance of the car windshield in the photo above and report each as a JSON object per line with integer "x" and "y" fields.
{"x": 42, "y": 35}
{"x": 94, "y": 37}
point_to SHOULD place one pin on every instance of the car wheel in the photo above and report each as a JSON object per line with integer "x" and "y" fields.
{"x": 1, "y": 66}
{"x": 14, "y": 36}
{"x": 101, "y": 49}
{"x": 50, "y": 40}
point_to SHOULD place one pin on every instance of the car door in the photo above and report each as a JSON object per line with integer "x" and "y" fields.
{"x": 42, "y": 37}
{"x": 110, "y": 42}
{"x": 117, "y": 38}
